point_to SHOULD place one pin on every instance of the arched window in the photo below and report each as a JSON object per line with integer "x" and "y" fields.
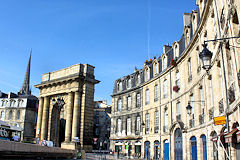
{"x": 10, "y": 115}
{"x": 165, "y": 128}
{"x": 18, "y": 115}
{"x": 119, "y": 105}
{"x": 204, "y": 146}
{"x": 119, "y": 86}
{"x": 193, "y": 148}
{"x": 2, "y": 115}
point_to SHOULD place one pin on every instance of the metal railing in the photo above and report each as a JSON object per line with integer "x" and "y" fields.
{"x": 156, "y": 128}
{"x": 231, "y": 94}
{"x": 178, "y": 117}
{"x": 201, "y": 118}
{"x": 191, "y": 123}
{"x": 190, "y": 78}
{"x": 211, "y": 113}
{"x": 165, "y": 128}
{"x": 220, "y": 106}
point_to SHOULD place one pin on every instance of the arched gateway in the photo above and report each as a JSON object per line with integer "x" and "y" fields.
{"x": 74, "y": 86}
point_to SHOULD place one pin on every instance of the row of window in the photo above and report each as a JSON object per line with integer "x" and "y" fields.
{"x": 12, "y": 103}
{"x": 129, "y": 102}
{"x": 2, "y": 116}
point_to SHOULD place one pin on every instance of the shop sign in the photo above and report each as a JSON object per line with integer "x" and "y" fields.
{"x": 219, "y": 120}
{"x": 3, "y": 132}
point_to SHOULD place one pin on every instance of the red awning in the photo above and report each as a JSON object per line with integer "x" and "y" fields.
{"x": 238, "y": 136}
{"x": 229, "y": 136}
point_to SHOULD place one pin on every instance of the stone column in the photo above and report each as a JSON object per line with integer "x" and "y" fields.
{"x": 68, "y": 130}
{"x": 39, "y": 117}
{"x": 76, "y": 114}
{"x": 45, "y": 113}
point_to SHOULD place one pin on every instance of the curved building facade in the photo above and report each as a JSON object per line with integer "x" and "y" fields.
{"x": 149, "y": 116}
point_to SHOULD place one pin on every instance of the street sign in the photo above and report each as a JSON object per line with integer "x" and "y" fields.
{"x": 95, "y": 139}
{"x": 219, "y": 120}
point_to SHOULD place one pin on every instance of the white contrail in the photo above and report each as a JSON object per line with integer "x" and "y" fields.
{"x": 148, "y": 28}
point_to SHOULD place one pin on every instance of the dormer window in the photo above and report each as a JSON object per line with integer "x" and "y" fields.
{"x": 129, "y": 83}
{"x": 138, "y": 79}
{"x": 176, "y": 51}
{"x": 119, "y": 86}
{"x": 147, "y": 74}
{"x": 156, "y": 68}
{"x": 164, "y": 62}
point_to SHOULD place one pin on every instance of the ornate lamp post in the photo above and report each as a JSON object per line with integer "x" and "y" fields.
{"x": 206, "y": 57}
{"x": 58, "y": 104}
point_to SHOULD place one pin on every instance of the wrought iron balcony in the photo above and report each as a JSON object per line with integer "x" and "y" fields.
{"x": 191, "y": 123}
{"x": 190, "y": 78}
{"x": 155, "y": 99}
{"x": 211, "y": 113}
{"x": 137, "y": 132}
{"x": 201, "y": 118}
{"x": 156, "y": 128}
{"x": 231, "y": 94}
{"x": 238, "y": 78}
{"x": 220, "y": 106}
{"x": 178, "y": 117}
{"x": 147, "y": 131}
{"x": 165, "y": 128}
{"x": 199, "y": 69}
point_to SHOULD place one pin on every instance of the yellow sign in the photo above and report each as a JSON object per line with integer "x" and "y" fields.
{"x": 219, "y": 120}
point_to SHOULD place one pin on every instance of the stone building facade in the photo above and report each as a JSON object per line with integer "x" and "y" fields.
{"x": 75, "y": 86}
{"x": 20, "y": 109}
{"x": 102, "y": 124}
{"x": 168, "y": 83}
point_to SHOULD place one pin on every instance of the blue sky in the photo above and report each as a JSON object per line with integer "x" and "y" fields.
{"x": 108, "y": 34}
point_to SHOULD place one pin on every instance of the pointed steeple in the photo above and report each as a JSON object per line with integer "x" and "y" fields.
{"x": 25, "y": 90}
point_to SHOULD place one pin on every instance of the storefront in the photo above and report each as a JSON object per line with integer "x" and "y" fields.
{"x": 7, "y": 131}
{"x": 118, "y": 147}
{"x": 138, "y": 148}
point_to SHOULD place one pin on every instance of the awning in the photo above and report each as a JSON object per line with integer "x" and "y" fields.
{"x": 238, "y": 136}
{"x": 214, "y": 139}
{"x": 229, "y": 137}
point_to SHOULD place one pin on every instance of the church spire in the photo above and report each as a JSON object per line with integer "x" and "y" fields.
{"x": 25, "y": 90}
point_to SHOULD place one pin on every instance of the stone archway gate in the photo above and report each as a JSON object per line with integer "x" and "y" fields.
{"x": 75, "y": 85}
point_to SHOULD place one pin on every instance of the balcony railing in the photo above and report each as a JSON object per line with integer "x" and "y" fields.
{"x": 211, "y": 113}
{"x": 155, "y": 99}
{"x": 190, "y": 78}
{"x": 137, "y": 132}
{"x": 201, "y": 118}
{"x": 238, "y": 78}
{"x": 198, "y": 69}
{"x": 220, "y": 106}
{"x": 231, "y": 94}
{"x": 178, "y": 117}
{"x": 156, "y": 128}
{"x": 147, "y": 131}
{"x": 191, "y": 123}
{"x": 165, "y": 128}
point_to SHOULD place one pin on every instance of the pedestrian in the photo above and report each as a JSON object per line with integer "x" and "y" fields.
{"x": 16, "y": 138}
{"x": 118, "y": 153}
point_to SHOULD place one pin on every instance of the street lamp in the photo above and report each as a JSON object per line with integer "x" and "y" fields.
{"x": 206, "y": 57}
{"x": 59, "y": 104}
{"x": 189, "y": 109}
